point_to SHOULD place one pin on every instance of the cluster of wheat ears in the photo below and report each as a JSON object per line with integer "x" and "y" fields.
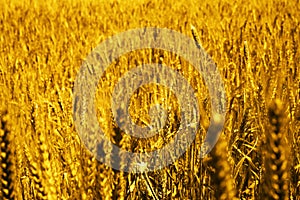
{"x": 255, "y": 45}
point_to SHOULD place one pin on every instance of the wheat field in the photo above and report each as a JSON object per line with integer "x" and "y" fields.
{"x": 255, "y": 46}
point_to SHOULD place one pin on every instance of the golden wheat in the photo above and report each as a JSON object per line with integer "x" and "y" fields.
{"x": 276, "y": 180}
{"x": 6, "y": 157}
{"x": 255, "y": 47}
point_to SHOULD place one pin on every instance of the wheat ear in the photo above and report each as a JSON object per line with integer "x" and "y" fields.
{"x": 276, "y": 182}
{"x": 6, "y": 158}
{"x": 196, "y": 37}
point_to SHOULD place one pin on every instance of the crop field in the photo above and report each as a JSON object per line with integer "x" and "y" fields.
{"x": 255, "y": 47}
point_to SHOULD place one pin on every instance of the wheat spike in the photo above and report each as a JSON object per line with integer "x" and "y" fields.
{"x": 222, "y": 180}
{"x": 47, "y": 175}
{"x": 6, "y": 158}
{"x": 38, "y": 190}
{"x": 276, "y": 182}
{"x": 196, "y": 37}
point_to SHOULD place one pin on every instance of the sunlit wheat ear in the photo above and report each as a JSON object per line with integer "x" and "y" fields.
{"x": 38, "y": 191}
{"x": 90, "y": 178}
{"x": 47, "y": 175}
{"x": 222, "y": 180}
{"x": 196, "y": 37}
{"x": 25, "y": 183}
{"x": 6, "y": 160}
{"x": 276, "y": 162}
